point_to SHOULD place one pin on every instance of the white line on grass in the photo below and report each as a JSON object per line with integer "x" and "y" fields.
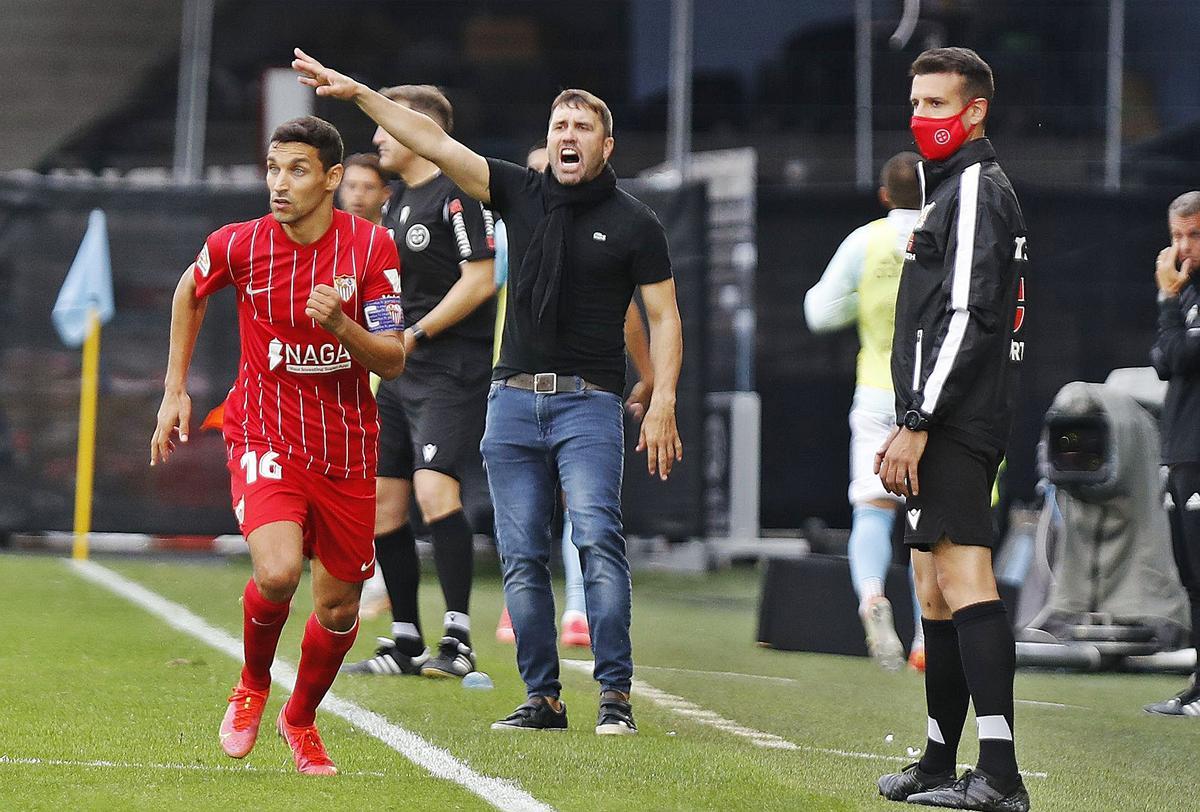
{"x": 126, "y": 765}
{"x": 500, "y": 793}
{"x": 1058, "y": 705}
{"x": 791, "y": 680}
{"x": 701, "y": 672}
{"x": 693, "y": 712}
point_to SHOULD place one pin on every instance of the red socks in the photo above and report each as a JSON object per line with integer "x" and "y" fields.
{"x": 321, "y": 654}
{"x": 262, "y": 623}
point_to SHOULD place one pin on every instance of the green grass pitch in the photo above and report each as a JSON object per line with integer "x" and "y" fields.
{"x": 104, "y": 706}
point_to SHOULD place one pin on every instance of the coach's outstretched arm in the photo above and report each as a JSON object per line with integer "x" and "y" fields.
{"x": 414, "y": 130}
{"x": 187, "y": 314}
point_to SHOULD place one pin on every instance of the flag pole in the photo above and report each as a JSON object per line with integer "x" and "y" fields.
{"x": 86, "y": 455}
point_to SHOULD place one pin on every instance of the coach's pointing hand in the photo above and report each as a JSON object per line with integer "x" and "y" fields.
{"x": 326, "y": 81}
{"x": 325, "y": 306}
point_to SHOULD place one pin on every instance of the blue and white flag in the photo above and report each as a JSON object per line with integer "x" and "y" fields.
{"x": 88, "y": 285}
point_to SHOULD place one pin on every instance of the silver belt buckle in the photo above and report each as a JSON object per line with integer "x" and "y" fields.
{"x": 545, "y": 383}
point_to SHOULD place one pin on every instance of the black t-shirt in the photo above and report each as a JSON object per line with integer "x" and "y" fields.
{"x": 436, "y": 227}
{"x": 613, "y": 247}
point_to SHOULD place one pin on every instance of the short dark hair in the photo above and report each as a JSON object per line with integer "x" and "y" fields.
{"x": 317, "y": 133}
{"x": 540, "y": 144}
{"x": 425, "y": 99}
{"x": 573, "y": 97}
{"x": 368, "y": 161}
{"x": 976, "y": 74}
{"x": 1186, "y": 205}
{"x": 899, "y": 177}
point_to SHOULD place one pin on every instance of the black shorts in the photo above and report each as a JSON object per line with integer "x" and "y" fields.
{"x": 443, "y": 394}
{"x": 395, "y": 441}
{"x": 955, "y": 478}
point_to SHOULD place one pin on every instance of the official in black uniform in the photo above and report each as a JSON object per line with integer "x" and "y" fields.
{"x": 1176, "y": 357}
{"x": 955, "y": 356}
{"x": 432, "y": 417}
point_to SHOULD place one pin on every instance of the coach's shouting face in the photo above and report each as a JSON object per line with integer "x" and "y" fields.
{"x": 579, "y": 143}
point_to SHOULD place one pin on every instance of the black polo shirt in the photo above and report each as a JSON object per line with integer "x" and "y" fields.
{"x": 614, "y": 246}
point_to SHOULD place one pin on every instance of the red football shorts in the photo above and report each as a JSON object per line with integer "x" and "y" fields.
{"x": 336, "y": 516}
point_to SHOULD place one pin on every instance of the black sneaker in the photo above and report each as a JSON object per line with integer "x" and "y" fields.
{"x": 1184, "y": 703}
{"x": 388, "y": 661}
{"x": 454, "y": 659}
{"x": 535, "y": 714}
{"x": 911, "y": 780}
{"x": 616, "y": 715}
{"x": 976, "y": 790}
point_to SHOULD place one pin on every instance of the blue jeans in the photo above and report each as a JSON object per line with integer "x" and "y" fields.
{"x": 532, "y": 443}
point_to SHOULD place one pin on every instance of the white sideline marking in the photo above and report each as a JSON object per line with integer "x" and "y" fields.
{"x": 500, "y": 793}
{"x": 793, "y": 681}
{"x": 736, "y": 674}
{"x": 693, "y": 712}
{"x": 1058, "y": 705}
{"x": 195, "y": 768}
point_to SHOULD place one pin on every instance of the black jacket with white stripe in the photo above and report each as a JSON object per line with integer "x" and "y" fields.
{"x": 1176, "y": 358}
{"x": 957, "y": 345}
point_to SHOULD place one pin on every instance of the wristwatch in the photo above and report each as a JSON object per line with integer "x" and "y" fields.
{"x": 915, "y": 421}
{"x": 418, "y": 333}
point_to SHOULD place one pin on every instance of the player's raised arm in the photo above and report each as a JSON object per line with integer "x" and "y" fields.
{"x": 175, "y": 412}
{"x": 415, "y": 130}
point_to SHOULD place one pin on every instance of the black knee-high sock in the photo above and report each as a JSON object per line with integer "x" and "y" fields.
{"x": 396, "y": 554}
{"x": 1195, "y": 603}
{"x": 989, "y": 658}
{"x": 946, "y": 695}
{"x": 454, "y": 558}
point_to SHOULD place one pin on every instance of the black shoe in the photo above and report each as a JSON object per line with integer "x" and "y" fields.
{"x": 1184, "y": 703}
{"x": 976, "y": 790}
{"x": 616, "y": 715}
{"x": 454, "y": 659}
{"x": 387, "y": 661}
{"x": 535, "y": 714}
{"x": 911, "y": 780}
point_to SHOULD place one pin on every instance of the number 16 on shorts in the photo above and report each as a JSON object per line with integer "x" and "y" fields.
{"x": 259, "y": 490}
{"x": 267, "y": 466}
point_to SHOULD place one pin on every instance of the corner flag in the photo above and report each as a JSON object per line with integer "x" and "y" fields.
{"x": 88, "y": 285}
{"x": 84, "y": 303}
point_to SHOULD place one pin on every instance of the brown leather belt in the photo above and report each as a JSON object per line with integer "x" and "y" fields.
{"x": 549, "y": 383}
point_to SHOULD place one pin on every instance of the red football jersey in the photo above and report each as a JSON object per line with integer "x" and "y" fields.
{"x": 298, "y": 392}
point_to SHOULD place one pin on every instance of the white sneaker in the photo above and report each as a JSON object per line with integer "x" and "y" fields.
{"x": 882, "y": 642}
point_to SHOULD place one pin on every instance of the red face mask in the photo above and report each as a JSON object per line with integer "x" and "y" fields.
{"x": 939, "y": 138}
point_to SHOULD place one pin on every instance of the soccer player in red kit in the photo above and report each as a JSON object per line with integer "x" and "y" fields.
{"x": 318, "y": 306}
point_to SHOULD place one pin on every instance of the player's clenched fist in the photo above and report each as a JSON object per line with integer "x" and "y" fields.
{"x": 325, "y": 306}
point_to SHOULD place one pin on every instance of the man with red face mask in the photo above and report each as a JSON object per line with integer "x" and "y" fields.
{"x": 955, "y": 356}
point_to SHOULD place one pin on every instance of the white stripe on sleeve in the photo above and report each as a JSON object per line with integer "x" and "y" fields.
{"x": 960, "y": 290}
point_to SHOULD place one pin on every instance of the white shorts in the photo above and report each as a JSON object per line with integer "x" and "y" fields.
{"x": 872, "y": 418}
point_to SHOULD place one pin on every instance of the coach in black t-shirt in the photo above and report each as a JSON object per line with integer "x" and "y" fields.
{"x": 578, "y": 247}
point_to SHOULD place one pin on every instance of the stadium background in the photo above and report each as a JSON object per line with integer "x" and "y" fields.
{"x": 92, "y": 119}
